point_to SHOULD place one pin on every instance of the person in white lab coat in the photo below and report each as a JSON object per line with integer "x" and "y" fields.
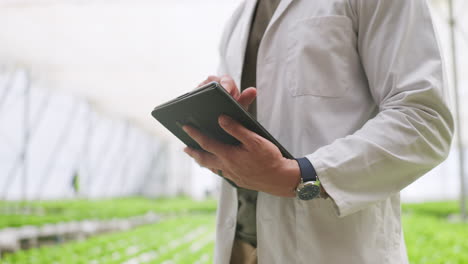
{"x": 354, "y": 89}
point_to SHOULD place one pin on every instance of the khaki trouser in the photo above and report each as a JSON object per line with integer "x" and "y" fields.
{"x": 243, "y": 253}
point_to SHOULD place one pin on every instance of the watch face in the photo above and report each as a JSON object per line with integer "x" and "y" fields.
{"x": 309, "y": 191}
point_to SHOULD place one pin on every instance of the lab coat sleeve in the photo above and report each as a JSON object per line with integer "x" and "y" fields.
{"x": 412, "y": 132}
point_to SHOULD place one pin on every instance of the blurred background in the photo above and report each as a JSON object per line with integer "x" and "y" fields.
{"x": 88, "y": 176}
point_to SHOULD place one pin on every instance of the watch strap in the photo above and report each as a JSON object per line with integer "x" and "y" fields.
{"x": 308, "y": 172}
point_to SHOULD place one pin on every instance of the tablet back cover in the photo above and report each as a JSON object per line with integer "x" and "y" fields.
{"x": 201, "y": 109}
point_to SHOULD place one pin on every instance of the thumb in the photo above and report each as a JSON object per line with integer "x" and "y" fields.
{"x": 247, "y": 97}
{"x": 228, "y": 83}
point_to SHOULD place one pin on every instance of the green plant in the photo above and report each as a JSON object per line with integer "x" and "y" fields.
{"x": 431, "y": 238}
{"x": 48, "y": 212}
{"x": 171, "y": 239}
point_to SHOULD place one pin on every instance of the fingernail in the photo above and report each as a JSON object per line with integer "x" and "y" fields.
{"x": 185, "y": 129}
{"x": 224, "y": 120}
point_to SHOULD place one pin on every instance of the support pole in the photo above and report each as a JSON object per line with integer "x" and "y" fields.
{"x": 6, "y": 88}
{"x": 83, "y": 157}
{"x": 22, "y": 156}
{"x": 103, "y": 154}
{"x": 86, "y": 164}
{"x": 121, "y": 155}
{"x": 127, "y": 165}
{"x": 110, "y": 160}
{"x": 461, "y": 154}
{"x": 37, "y": 121}
{"x": 149, "y": 174}
{"x": 157, "y": 168}
{"x": 66, "y": 130}
{"x": 146, "y": 151}
{"x": 26, "y": 135}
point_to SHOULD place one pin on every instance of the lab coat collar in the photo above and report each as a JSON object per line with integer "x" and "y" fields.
{"x": 283, "y": 5}
{"x": 250, "y": 8}
{"x": 245, "y": 23}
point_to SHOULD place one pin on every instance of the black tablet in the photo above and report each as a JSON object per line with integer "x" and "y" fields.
{"x": 201, "y": 108}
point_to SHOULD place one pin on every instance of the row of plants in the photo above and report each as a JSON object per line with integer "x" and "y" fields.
{"x": 37, "y": 213}
{"x": 187, "y": 239}
{"x": 432, "y": 237}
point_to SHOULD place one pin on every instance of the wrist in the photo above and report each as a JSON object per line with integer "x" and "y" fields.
{"x": 310, "y": 186}
{"x": 293, "y": 174}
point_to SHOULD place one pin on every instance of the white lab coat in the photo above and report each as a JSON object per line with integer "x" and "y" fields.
{"x": 356, "y": 86}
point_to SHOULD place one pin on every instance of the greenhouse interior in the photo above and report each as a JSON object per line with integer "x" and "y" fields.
{"x": 87, "y": 175}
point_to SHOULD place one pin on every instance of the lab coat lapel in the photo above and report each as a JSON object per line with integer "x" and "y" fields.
{"x": 282, "y": 7}
{"x": 238, "y": 54}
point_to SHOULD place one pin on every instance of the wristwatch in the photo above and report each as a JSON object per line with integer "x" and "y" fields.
{"x": 309, "y": 188}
